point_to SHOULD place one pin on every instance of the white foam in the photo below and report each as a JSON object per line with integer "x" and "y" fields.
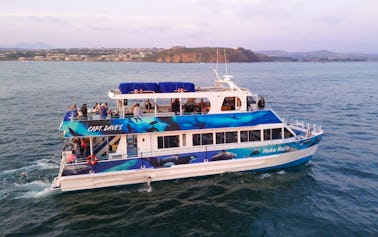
{"x": 37, "y": 194}
{"x": 145, "y": 188}
{"x": 265, "y": 176}
{"x": 34, "y": 189}
{"x": 47, "y": 164}
{"x": 5, "y": 172}
{"x": 43, "y": 164}
{"x": 281, "y": 172}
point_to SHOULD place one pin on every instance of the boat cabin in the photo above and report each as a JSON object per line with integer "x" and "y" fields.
{"x": 181, "y": 98}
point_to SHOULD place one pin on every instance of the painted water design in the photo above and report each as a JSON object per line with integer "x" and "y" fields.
{"x": 335, "y": 195}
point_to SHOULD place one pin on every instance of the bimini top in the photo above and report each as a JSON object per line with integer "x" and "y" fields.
{"x": 152, "y": 87}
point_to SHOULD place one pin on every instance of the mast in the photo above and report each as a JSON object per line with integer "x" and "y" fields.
{"x": 227, "y": 79}
{"x": 225, "y": 60}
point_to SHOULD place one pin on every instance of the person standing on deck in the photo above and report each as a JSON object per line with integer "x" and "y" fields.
{"x": 84, "y": 110}
{"x": 96, "y": 108}
{"x": 136, "y": 111}
{"x": 261, "y": 103}
{"x": 176, "y": 106}
{"x": 84, "y": 149}
{"x": 103, "y": 111}
{"x": 74, "y": 111}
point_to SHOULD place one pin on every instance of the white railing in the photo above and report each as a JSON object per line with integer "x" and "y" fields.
{"x": 305, "y": 127}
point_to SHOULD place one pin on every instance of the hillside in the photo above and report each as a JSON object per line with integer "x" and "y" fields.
{"x": 206, "y": 54}
{"x": 178, "y": 55}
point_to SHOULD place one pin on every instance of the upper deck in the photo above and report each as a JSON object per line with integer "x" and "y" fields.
{"x": 164, "y": 102}
{"x": 161, "y": 97}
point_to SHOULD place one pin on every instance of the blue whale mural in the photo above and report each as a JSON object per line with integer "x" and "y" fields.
{"x": 160, "y": 124}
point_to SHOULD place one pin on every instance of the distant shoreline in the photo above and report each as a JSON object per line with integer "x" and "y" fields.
{"x": 177, "y": 55}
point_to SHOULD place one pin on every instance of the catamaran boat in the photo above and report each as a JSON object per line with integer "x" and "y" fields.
{"x": 178, "y": 131}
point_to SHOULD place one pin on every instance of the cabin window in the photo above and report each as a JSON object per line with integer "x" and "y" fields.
{"x": 231, "y": 137}
{"x": 250, "y": 136}
{"x": 244, "y": 136}
{"x": 254, "y": 135}
{"x": 271, "y": 134}
{"x": 196, "y": 139}
{"x": 202, "y": 139}
{"x": 226, "y": 137}
{"x": 276, "y": 133}
{"x": 219, "y": 137}
{"x": 267, "y": 134}
{"x": 230, "y": 103}
{"x": 207, "y": 138}
{"x": 168, "y": 141}
{"x": 287, "y": 133}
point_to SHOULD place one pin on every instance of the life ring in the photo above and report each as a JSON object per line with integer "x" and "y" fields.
{"x": 92, "y": 160}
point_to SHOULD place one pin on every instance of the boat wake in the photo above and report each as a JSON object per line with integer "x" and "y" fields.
{"x": 281, "y": 172}
{"x": 264, "y": 176}
{"x": 270, "y": 175}
{"x": 34, "y": 190}
{"x": 42, "y": 164}
{"x": 26, "y": 181}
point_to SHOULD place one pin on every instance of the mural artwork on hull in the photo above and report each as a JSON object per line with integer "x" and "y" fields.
{"x": 74, "y": 128}
{"x": 189, "y": 158}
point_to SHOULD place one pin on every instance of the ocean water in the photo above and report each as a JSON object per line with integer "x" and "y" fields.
{"x": 336, "y": 194}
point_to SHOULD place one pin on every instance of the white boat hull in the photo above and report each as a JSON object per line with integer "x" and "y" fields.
{"x": 146, "y": 175}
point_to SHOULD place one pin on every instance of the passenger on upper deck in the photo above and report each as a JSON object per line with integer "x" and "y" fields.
{"x": 84, "y": 110}
{"x": 108, "y": 110}
{"x": 261, "y": 103}
{"x": 148, "y": 106}
{"x": 74, "y": 111}
{"x": 202, "y": 106}
{"x": 190, "y": 105}
{"x": 96, "y": 108}
{"x": 103, "y": 111}
{"x": 176, "y": 106}
{"x": 136, "y": 111}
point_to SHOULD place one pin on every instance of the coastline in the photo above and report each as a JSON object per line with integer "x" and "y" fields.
{"x": 177, "y": 54}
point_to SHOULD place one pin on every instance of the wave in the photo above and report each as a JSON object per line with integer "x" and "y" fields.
{"x": 34, "y": 190}
{"x": 265, "y": 176}
{"x": 281, "y": 172}
{"x": 146, "y": 188}
{"x": 26, "y": 181}
{"x": 42, "y": 164}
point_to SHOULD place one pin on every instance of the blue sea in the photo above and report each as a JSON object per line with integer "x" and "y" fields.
{"x": 336, "y": 194}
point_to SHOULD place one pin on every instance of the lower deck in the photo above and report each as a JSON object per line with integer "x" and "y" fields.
{"x": 188, "y": 156}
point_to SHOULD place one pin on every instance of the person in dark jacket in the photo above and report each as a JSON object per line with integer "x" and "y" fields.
{"x": 84, "y": 110}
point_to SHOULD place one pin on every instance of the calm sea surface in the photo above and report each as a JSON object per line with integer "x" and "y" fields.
{"x": 334, "y": 195}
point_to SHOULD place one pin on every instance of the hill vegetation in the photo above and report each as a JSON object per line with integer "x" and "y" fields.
{"x": 207, "y": 55}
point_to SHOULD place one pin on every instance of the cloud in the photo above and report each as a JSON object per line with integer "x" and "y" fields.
{"x": 99, "y": 28}
{"x": 265, "y": 24}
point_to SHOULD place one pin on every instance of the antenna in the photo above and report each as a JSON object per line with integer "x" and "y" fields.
{"x": 225, "y": 60}
{"x": 216, "y": 65}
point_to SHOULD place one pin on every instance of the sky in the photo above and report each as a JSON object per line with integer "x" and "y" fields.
{"x": 290, "y": 25}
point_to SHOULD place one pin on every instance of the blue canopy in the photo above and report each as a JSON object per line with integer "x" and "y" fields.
{"x": 128, "y": 87}
{"x": 176, "y": 86}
